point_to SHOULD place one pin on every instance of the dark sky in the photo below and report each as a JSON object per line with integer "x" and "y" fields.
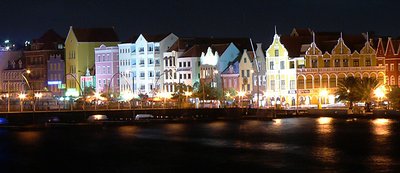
{"x": 24, "y": 20}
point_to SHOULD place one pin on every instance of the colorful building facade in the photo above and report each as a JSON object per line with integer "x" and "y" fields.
{"x": 79, "y": 52}
{"x": 107, "y": 69}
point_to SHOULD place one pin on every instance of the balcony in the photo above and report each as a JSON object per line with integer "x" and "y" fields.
{"x": 341, "y": 69}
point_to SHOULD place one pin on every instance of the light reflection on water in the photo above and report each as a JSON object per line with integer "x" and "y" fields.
{"x": 324, "y": 125}
{"x": 381, "y": 126}
{"x": 29, "y": 137}
{"x": 127, "y": 131}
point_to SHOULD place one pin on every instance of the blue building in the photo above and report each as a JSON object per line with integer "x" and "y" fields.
{"x": 55, "y": 74}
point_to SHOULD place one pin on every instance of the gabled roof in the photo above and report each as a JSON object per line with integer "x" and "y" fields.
{"x": 196, "y": 50}
{"x": 155, "y": 38}
{"x": 235, "y": 67}
{"x": 50, "y": 36}
{"x": 186, "y": 43}
{"x": 95, "y": 34}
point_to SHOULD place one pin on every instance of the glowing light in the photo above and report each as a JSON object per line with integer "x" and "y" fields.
{"x": 38, "y": 95}
{"x": 381, "y": 121}
{"x": 22, "y": 96}
{"x": 324, "y": 120}
{"x": 277, "y": 121}
{"x": 380, "y": 92}
{"x": 323, "y": 93}
{"x": 188, "y": 93}
{"x": 241, "y": 93}
{"x": 127, "y": 96}
{"x": 28, "y": 71}
{"x": 228, "y": 94}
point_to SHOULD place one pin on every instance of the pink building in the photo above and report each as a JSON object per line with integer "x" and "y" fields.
{"x": 107, "y": 74}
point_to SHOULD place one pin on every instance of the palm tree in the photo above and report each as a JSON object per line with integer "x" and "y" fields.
{"x": 366, "y": 88}
{"x": 348, "y": 90}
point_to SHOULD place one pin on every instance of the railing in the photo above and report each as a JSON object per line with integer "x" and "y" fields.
{"x": 342, "y": 69}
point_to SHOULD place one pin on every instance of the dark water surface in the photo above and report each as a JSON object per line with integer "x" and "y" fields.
{"x": 286, "y": 145}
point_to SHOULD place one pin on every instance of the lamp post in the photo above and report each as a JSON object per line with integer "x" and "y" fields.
{"x": 37, "y": 96}
{"x": 240, "y": 94}
{"x": 21, "y": 101}
{"x": 96, "y": 97}
{"x": 322, "y": 95}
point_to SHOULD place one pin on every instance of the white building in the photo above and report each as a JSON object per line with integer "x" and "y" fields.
{"x": 281, "y": 75}
{"x": 140, "y": 63}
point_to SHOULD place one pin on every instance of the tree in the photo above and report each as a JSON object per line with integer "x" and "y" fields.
{"x": 348, "y": 90}
{"x": 394, "y": 97}
{"x": 367, "y": 87}
{"x": 210, "y": 93}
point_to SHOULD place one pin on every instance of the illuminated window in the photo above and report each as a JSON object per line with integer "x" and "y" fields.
{"x": 283, "y": 85}
{"x": 327, "y": 63}
{"x": 314, "y": 63}
{"x": 292, "y": 84}
{"x": 368, "y": 62}
{"x": 271, "y": 65}
{"x": 337, "y": 62}
{"x": 356, "y": 63}
{"x": 273, "y": 85}
{"x": 392, "y": 82}
{"x": 391, "y": 67}
{"x": 345, "y": 62}
{"x": 282, "y": 64}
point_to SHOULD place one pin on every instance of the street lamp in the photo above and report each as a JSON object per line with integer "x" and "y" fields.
{"x": 241, "y": 95}
{"x": 322, "y": 95}
{"x": 96, "y": 97}
{"x": 37, "y": 96}
{"x": 21, "y": 99}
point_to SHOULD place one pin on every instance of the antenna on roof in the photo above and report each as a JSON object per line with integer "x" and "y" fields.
{"x": 367, "y": 37}
{"x": 341, "y": 45}
{"x": 276, "y": 33}
{"x": 255, "y": 57}
{"x": 313, "y": 37}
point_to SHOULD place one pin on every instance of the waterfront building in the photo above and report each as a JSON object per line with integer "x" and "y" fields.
{"x": 140, "y": 62}
{"x": 12, "y": 77}
{"x": 326, "y": 64}
{"x": 56, "y": 74}
{"x": 246, "y": 71}
{"x": 79, "y": 52}
{"x": 389, "y": 57}
{"x": 280, "y": 75}
{"x": 214, "y": 61}
{"x": 230, "y": 77}
{"x": 259, "y": 76}
{"x": 50, "y": 44}
{"x": 7, "y": 56}
{"x": 107, "y": 69}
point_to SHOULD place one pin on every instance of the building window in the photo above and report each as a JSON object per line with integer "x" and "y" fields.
{"x": 276, "y": 52}
{"x": 327, "y": 63}
{"x": 248, "y": 87}
{"x": 189, "y": 76}
{"x": 273, "y": 85}
{"x": 141, "y": 62}
{"x": 180, "y": 76}
{"x": 392, "y": 82}
{"x": 283, "y": 85}
{"x": 337, "y": 62}
{"x": 248, "y": 73}
{"x": 180, "y": 64}
{"x": 242, "y": 73}
{"x": 368, "y": 62}
{"x": 271, "y": 65}
{"x": 282, "y": 65}
{"x": 292, "y": 84}
{"x": 184, "y": 76}
{"x": 184, "y": 64}
{"x": 314, "y": 63}
{"x": 345, "y": 62}
{"x": 245, "y": 60}
{"x": 356, "y": 63}
{"x": 151, "y": 61}
{"x": 151, "y": 74}
{"x": 141, "y": 50}
{"x": 141, "y": 74}
{"x": 291, "y": 64}
{"x": 398, "y": 66}
{"x": 188, "y": 64}
{"x": 391, "y": 67}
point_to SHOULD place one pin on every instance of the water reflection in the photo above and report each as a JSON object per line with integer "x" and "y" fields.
{"x": 29, "y": 137}
{"x": 277, "y": 122}
{"x": 381, "y": 126}
{"x": 175, "y": 129}
{"x": 325, "y": 154}
{"x": 127, "y": 131}
{"x": 324, "y": 125}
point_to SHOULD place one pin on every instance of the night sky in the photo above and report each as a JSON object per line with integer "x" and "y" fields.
{"x": 24, "y": 20}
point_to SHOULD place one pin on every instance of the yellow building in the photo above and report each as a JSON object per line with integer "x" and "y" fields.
{"x": 245, "y": 71}
{"x": 317, "y": 82}
{"x": 281, "y": 75}
{"x": 79, "y": 52}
